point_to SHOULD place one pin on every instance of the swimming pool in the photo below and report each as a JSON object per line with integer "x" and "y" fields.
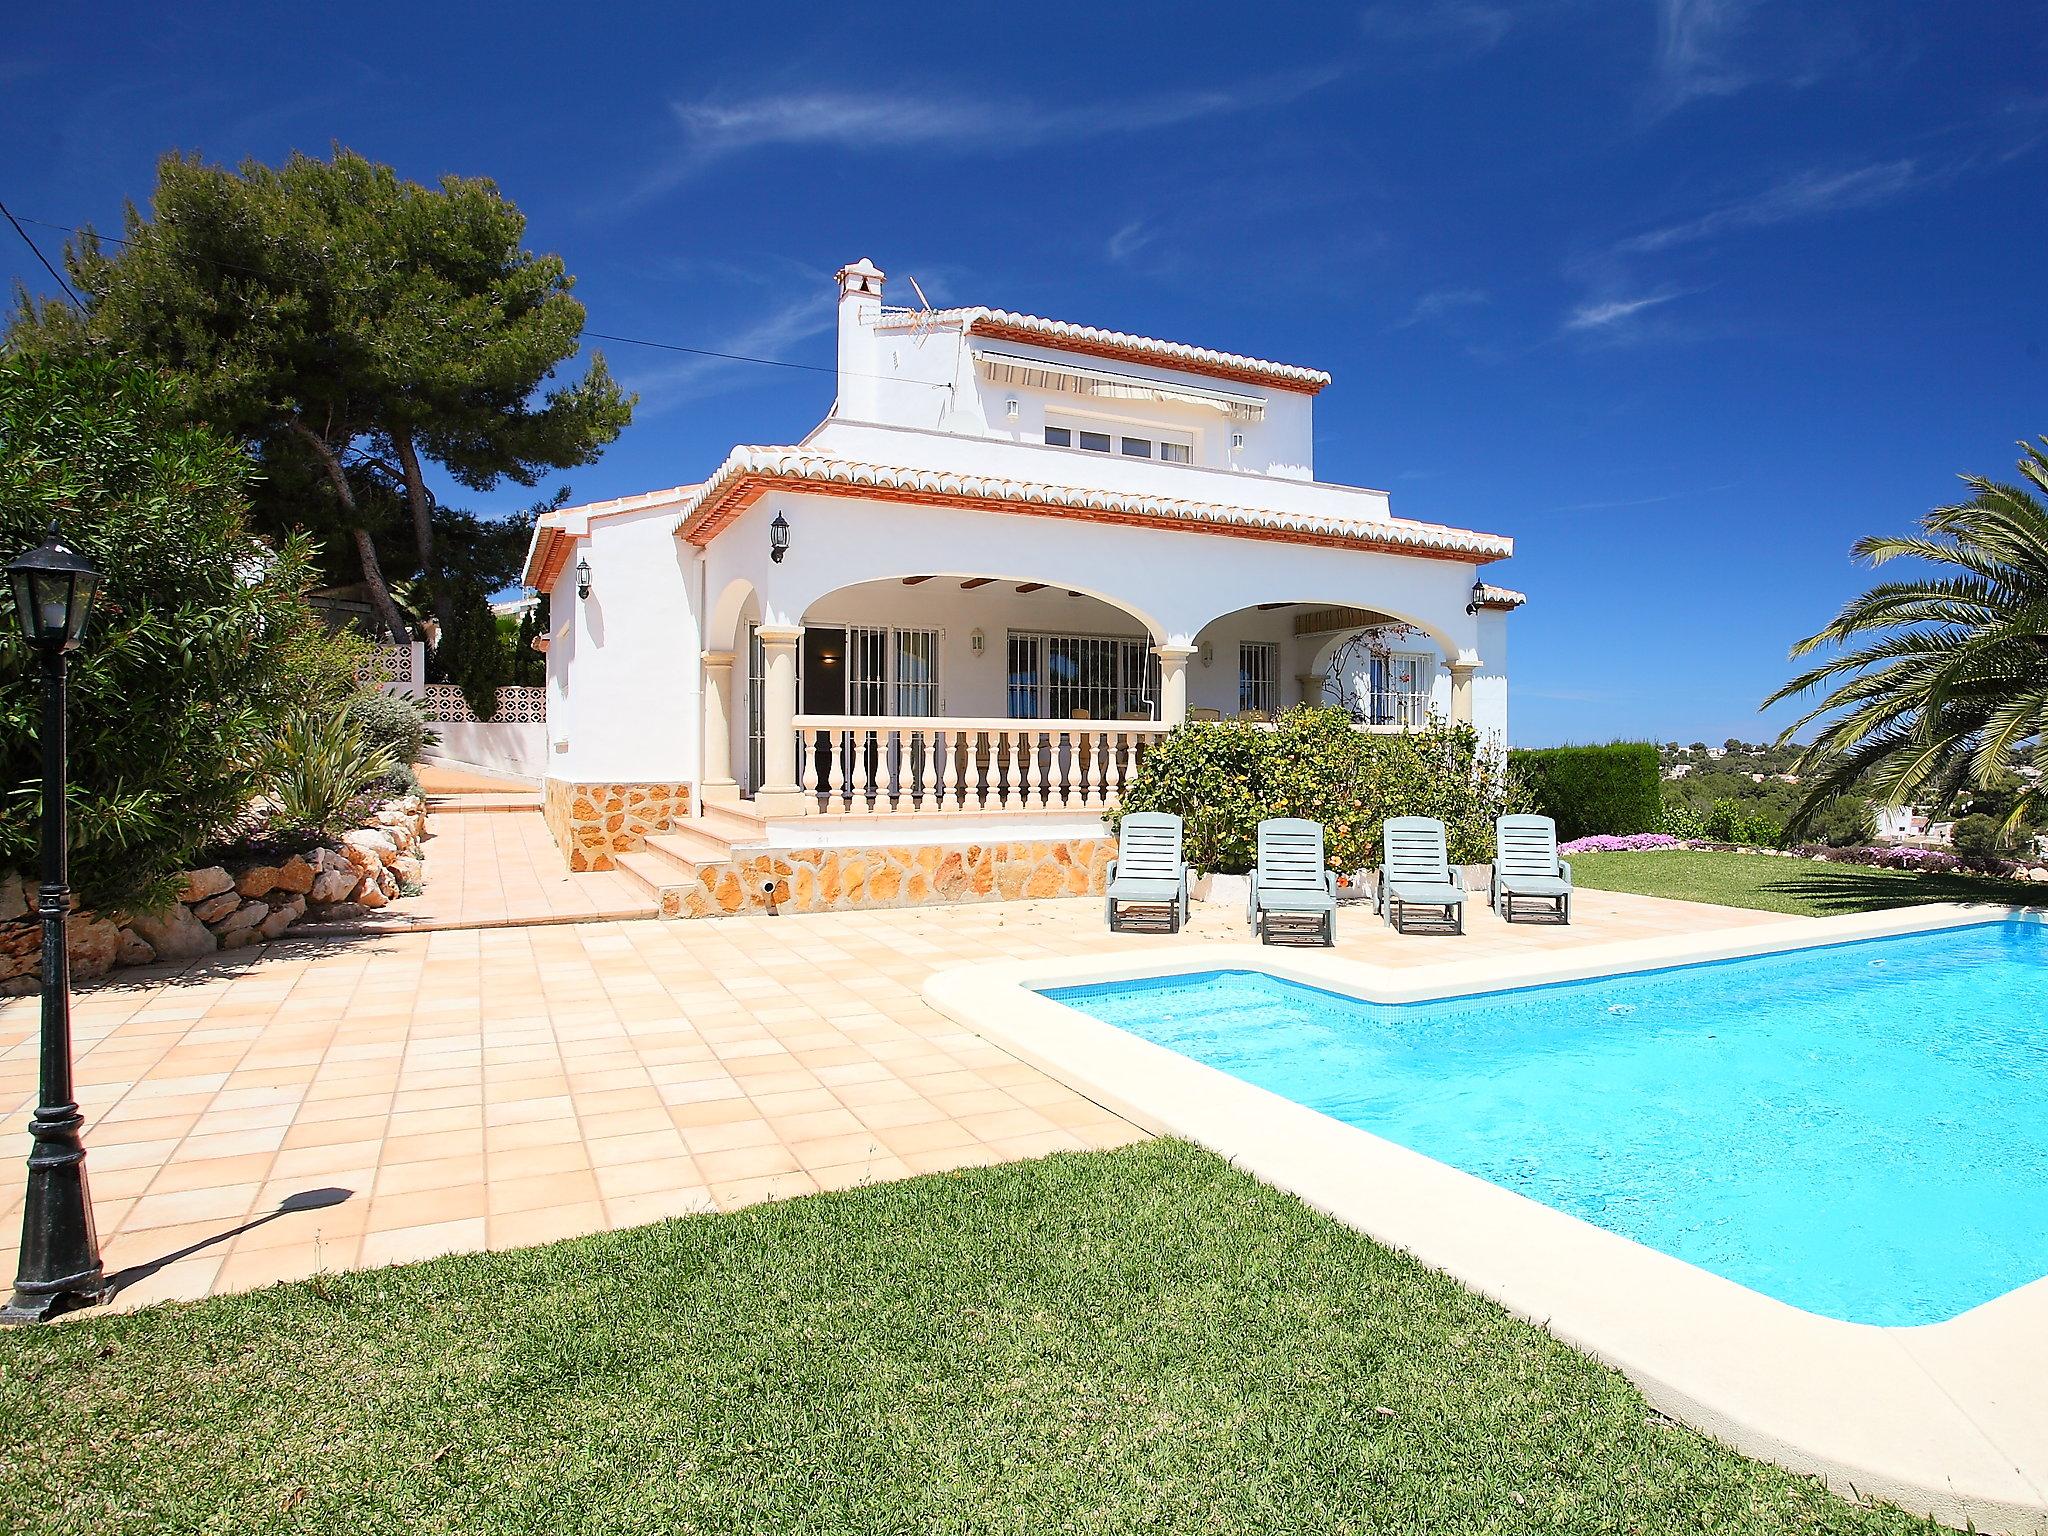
{"x": 1860, "y": 1130}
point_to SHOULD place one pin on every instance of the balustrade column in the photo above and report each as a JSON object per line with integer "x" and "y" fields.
{"x": 1173, "y": 682}
{"x": 778, "y": 794}
{"x": 718, "y": 783}
{"x": 1461, "y": 692}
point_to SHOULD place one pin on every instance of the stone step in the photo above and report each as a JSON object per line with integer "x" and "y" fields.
{"x": 732, "y": 823}
{"x": 652, "y": 870}
{"x": 688, "y": 843}
{"x": 472, "y": 805}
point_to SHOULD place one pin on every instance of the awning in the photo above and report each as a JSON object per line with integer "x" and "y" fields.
{"x": 1072, "y": 379}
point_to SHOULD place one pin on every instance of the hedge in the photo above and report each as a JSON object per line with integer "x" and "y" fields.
{"x": 1613, "y": 789}
{"x": 1223, "y": 777}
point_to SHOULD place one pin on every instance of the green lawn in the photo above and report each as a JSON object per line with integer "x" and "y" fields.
{"x": 1797, "y": 886}
{"x": 1140, "y": 1340}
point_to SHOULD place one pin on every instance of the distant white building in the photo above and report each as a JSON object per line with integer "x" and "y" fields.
{"x": 960, "y": 608}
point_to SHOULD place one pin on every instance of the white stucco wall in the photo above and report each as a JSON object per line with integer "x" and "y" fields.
{"x": 625, "y": 677}
{"x": 1173, "y": 582}
{"x": 897, "y": 371}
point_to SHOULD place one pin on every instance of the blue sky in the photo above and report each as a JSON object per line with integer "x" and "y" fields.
{"x": 1683, "y": 294}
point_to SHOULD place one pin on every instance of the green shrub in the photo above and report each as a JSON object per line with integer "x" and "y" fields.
{"x": 200, "y": 644}
{"x": 394, "y": 722}
{"x": 1683, "y": 822}
{"x": 1845, "y": 822}
{"x": 1587, "y": 790}
{"x": 1222, "y": 778}
{"x": 1979, "y": 837}
{"x": 1732, "y": 821}
{"x": 322, "y": 768}
{"x": 1212, "y": 775}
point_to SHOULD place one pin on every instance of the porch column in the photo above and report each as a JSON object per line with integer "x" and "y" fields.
{"x": 718, "y": 780}
{"x": 1461, "y": 692}
{"x": 779, "y": 794}
{"x": 1173, "y": 682}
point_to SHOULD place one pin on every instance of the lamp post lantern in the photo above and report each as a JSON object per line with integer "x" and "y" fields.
{"x": 60, "y": 1267}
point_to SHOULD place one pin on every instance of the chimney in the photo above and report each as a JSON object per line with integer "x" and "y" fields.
{"x": 860, "y": 349}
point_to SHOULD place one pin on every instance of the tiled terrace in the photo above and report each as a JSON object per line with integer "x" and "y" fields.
{"x": 326, "y": 1104}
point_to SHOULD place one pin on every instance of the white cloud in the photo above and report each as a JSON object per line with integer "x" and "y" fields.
{"x": 1612, "y": 312}
{"x": 948, "y": 124}
{"x": 1439, "y": 302}
{"x": 1695, "y": 47}
{"x": 1465, "y": 26}
{"x": 1806, "y": 195}
{"x": 1128, "y": 241}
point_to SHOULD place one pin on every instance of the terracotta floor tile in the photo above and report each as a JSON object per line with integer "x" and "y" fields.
{"x": 407, "y": 1244}
{"x": 546, "y": 1224}
{"x": 745, "y": 1163}
{"x": 542, "y": 1191}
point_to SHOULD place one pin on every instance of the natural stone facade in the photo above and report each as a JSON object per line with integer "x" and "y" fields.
{"x": 218, "y": 908}
{"x": 849, "y": 879}
{"x": 591, "y": 823}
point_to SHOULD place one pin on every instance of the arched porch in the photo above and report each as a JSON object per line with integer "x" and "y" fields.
{"x": 1390, "y": 670}
{"x": 946, "y": 691}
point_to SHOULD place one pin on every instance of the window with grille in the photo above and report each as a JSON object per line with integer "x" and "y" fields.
{"x": 1086, "y": 677}
{"x": 892, "y": 671}
{"x": 1258, "y": 678}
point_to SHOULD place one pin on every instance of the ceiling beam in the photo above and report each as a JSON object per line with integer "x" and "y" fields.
{"x": 911, "y": 581}
{"x": 975, "y": 581}
{"x": 1030, "y": 586}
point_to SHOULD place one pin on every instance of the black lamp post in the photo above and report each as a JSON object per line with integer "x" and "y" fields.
{"x": 60, "y": 1251}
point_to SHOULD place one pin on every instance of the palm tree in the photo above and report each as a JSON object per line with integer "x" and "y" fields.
{"x": 1948, "y": 676}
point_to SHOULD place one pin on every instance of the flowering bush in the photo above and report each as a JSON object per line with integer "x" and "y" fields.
{"x": 1634, "y": 842}
{"x": 1932, "y": 860}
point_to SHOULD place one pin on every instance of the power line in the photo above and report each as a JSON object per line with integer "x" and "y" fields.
{"x": 731, "y": 357}
{"x": 630, "y": 341}
{"x": 29, "y": 241}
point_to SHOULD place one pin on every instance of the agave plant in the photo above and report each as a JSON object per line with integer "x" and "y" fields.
{"x": 1940, "y": 680}
{"x": 322, "y": 765}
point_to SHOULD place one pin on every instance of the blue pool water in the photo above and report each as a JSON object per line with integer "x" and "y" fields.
{"x": 1860, "y": 1130}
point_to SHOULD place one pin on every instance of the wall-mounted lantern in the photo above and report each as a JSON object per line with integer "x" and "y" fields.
{"x": 976, "y": 640}
{"x": 1010, "y": 408}
{"x": 1478, "y": 594}
{"x": 778, "y": 538}
{"x": 1208, "y": 653}
{"x": 583, "y": 578}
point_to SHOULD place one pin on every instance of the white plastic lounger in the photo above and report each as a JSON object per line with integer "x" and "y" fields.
{"x": 1293, "y": 879}
{"x": 1148, "y": 870}
{"x": 1526, "y": 867}
{"x": 1416, "y": 872}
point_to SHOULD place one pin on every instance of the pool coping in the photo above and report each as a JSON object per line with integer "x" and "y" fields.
{"x": 1947, "y": 1419}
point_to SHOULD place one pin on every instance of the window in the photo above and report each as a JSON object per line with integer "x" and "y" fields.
{"x": 1258, "y": 678}
{"x": 1089, "y": 677}
{"x": 1126, "y": 439}
{"x": 1399, "y": 688}
{"x": 892, "y": 671}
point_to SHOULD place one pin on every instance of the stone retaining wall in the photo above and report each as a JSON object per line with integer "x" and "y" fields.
{"x": 221, "y": 907}
{"x": 850, "y": 879}
{"x": 592, "y": 822}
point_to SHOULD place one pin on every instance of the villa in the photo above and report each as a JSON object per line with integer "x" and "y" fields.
{"x": 916, "y": 655}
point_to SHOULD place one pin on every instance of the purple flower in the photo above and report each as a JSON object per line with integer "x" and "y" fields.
{"x": 1634, "y": 842}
